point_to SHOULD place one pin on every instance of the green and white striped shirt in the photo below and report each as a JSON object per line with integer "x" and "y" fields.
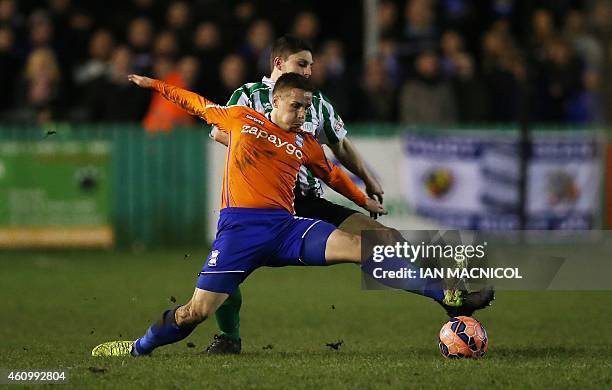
{"x": 321, "y": 120}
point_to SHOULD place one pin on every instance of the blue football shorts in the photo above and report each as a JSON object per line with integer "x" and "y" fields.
{"x": 251, "y": 238}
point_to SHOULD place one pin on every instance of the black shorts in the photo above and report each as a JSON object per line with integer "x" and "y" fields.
{"x": 319, "y": 208}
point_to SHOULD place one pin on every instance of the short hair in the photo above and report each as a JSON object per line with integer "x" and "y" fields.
{"x": 292, "y": 80}
{"x": 287, "y": 45}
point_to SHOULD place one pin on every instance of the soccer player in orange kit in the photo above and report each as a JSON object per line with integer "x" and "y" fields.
{"x": 257, "y": 226}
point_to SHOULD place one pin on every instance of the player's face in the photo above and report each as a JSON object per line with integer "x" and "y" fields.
{"x": 290, "y": 106}
{"x": 300, "y": 63}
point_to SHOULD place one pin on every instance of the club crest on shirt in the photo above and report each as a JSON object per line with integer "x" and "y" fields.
{"x": 212, "y": 262}
{"x": 308, "y": 127}
{"x": 299, "y": 140}
{"x": 339, "y": 125}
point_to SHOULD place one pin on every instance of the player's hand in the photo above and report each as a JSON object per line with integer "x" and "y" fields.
{"x": 374, "y": 191}
{"x": 141, "y": 81}
{"x": 374, "y": 207}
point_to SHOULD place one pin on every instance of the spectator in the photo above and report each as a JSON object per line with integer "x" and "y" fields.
{"x": 41, "y": 30}
{"x": 503, "y": 71}
{"x": 122, "y": 16}
{"x": 140, "y": 39}
{"x": 585, "y": 106}
{"x": 427, "y": 99}
{"x": 162, "y": 67}
{"x": 452, "y": 46}
{"x": 178, "y": 21}
{"x": 243, "y": 16}
{"x": 188, "y": 68}
{"x": 543, "y": 31}
{"x": 468, "y": 90}
{"x": 177, "y": 16}
{"x": 97, "y": 64}
{"x": 67, "y": 41}
{"x": 40, "y": 89}
{"x": 10, "y": 17}
{"x": 377, "y": 95}
{"x": 559, "y": 81}
{"x": 95, "y": 67}
{"x": 80, "y": 33}
{"x": 388, "y": 51}
{"x": 166, "y": 45}
{"x": 387, "y": 18}
{"x": 333, "y": 53}
{"x": 419, "y": 32}
{"x": 232, "y": 74}
{"x": 584, "y": 44}
{"x": 112, "y": 98}
{"x": 244, "y": 11}
{"x": 163, "y": 115}
{"x": 333, "y": 78}
{"x": 319, "y": 75}
{"x": 599, "y": 18}
{"x": 256, "y": 48}
{"x": 208, "y": 51}
{"x": 306, "y": 26}
{"x": 207, "y": 38}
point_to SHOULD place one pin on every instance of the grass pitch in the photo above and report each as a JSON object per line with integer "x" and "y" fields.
{"x": 58, "y": 306}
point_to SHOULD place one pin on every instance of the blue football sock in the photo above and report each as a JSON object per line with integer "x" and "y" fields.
{"x": 164, "y": 331}
{"x": 429, "y": 287}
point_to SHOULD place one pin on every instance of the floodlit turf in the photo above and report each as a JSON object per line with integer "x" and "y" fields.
{"x": 56, "y": 307}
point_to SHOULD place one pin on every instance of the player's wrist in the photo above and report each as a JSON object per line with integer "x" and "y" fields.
{"x": 370, "y": 182}
{"x": 362, "y": 200}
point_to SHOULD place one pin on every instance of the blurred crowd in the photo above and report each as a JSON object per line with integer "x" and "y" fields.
{"x": 437, "y": 61}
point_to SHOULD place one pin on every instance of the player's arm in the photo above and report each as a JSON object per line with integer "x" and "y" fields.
{"x": 240, "y": 97}
{"x": 189, "y": 101}
{"x": 335, "y": 177}
{"x": 332, "y": 132}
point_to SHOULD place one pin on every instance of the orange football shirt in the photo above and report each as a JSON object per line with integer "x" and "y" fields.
{"x": 262, "y": 160}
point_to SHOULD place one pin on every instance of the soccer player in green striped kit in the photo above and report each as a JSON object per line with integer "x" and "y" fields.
{"x": 290, "y": 54}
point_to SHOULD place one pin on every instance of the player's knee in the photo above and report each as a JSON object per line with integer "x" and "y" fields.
{"x": 382, "y": 234}
{"x": 191, "y": 314}
{"x": 183, "y": 315}
{"x": 357, "y": 223}
{"x": 387, "y": 236}
{"x": 198, "y": 316}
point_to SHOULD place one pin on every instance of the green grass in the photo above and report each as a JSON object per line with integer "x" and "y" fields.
{"x": 57, "y": 306}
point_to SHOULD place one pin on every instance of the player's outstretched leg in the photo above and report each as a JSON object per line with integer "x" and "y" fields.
{"x": 343, "y": 247}
{"x": 174, "y": 325}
